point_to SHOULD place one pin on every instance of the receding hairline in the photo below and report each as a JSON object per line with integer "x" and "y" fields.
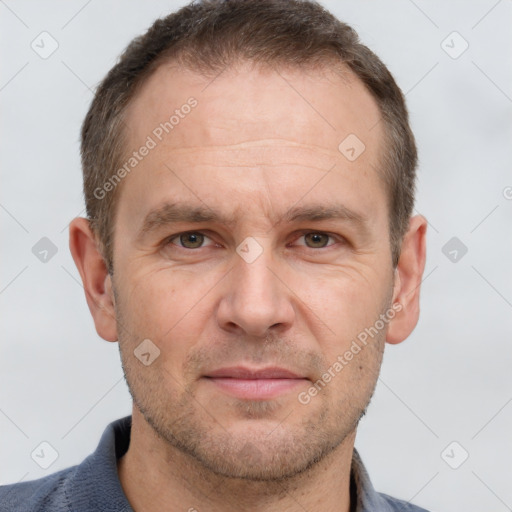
{"x": 326, "y": 65}
{"x": 329, "y": 66}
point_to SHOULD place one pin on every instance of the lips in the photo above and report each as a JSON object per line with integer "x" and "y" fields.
{"x": 254, "y": 384}
{"x": 240, "y": 372}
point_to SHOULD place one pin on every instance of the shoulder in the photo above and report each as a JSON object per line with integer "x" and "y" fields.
{"x": 397, "y": 505}
{"x": 43, "y": 494}
{"x": 90, "y": 486}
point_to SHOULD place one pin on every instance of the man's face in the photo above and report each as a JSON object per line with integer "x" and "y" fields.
{"x": 257, "y": 145}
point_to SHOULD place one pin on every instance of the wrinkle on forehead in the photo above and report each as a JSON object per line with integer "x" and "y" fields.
{"x": 271, "y": 123}
{"x": 255, "y": 153}
{"x": 248, "y": 103}
{"x": 260, "y": 143}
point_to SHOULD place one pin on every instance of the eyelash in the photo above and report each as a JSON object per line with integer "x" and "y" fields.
{"x": 169, "y": 239}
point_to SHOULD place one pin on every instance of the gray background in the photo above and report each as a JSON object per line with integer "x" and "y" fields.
{"x": 450, "y": 381}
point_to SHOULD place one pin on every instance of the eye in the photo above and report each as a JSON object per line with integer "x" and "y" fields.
{"x": 189, "y": 240}
{"x": 195, "y": 240}
{"x": 316, "y": 239}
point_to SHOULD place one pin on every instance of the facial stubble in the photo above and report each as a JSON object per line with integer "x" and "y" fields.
{"x": 281, "y": 438}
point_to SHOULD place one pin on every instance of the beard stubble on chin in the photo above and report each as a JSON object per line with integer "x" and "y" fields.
{"x": 276, "y": 443}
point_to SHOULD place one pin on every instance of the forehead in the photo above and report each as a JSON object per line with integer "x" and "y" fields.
{"x": 251, "y": 130}
{"x": 313, "y": 106}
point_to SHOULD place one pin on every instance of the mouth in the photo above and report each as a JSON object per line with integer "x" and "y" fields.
{"x": 255, "y": 384}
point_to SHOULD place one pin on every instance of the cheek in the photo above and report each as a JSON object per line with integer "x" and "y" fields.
{"x": 152, "y": 305}
{"x": 156, "y": 308}
{"x": 346, "y": 299}
{"x": 166, "y": 307}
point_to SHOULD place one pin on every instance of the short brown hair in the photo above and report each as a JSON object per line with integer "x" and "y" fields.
{"x": 213, "y": 34}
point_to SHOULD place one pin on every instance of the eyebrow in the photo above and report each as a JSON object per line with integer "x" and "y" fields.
{"x": 172, "y": 213}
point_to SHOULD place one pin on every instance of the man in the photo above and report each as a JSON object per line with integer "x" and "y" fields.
{"x": 249, "y": 178}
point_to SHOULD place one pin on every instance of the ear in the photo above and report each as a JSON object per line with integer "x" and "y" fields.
{"x": 95, "y": 277}
{"x": 408, "y": 274}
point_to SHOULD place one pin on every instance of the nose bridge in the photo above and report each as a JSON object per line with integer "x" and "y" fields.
{"x": 255, "y": 298}
{"x": 254, "y": 264}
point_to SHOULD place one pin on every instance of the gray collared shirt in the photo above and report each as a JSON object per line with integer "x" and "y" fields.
{"x": 94, "y": 484}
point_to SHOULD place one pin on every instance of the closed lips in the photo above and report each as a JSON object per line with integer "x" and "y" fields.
{"x": 246, "y": 373}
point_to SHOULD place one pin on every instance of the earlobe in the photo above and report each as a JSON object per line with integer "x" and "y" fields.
{"x": 408, "y": 275}
{"x": 95, "y": 277}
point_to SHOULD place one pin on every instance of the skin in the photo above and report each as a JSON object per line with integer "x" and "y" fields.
{"x": 258, "y": 143}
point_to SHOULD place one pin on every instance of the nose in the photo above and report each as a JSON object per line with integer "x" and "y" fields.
{"x": 255, "y": 297}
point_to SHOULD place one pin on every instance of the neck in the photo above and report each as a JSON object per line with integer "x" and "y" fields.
{"x": 156, "y": 476}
